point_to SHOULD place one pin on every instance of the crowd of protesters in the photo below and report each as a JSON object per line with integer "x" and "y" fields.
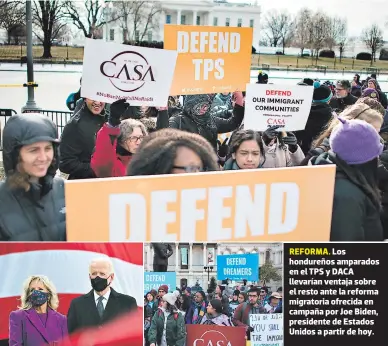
{"x": 167, "y": 313}
{"x": 183, "y": 137}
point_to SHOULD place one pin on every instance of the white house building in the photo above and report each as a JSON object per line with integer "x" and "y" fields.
{"x": 189, "y": 260}
{"x": 199, "y": 12}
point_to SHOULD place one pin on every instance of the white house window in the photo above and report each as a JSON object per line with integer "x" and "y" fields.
{"x": 227, "y": 22}
{"x": 168, "y": 18}
{"x": 198, "y": 20}
{"x": 239, "y": 23}
{"x": 251, "y": 23}
{"x": 112, "y": 34}
{"x": 183, "y": 19}
{"x": 215, "y": 21}
{"x": 149, "y": 34}
{"x": 137, "y": 35}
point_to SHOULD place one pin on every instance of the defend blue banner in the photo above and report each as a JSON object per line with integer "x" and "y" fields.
{"x": 238, "y": 267}
{"x": 153, "y": 280}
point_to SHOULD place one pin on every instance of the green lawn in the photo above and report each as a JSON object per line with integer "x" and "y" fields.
{"x": 294, "y": 62}
{"x": 72, "y": 53}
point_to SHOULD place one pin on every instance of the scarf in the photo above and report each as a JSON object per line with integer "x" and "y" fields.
{"x": 197, "y": 108}
{"x": 199, "y": 310}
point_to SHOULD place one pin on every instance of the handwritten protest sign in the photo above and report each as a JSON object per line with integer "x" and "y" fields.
{"x": 268, "y": 329}
{"x": 238, "y": 267}
{"x": 283, "y": 105}
{"x": 245, "y": 205}
{"x": 112, "y": 71}
{"x": 210, "y": 59}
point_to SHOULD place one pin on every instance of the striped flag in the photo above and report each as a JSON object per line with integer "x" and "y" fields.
{"x": 67, "y": 266}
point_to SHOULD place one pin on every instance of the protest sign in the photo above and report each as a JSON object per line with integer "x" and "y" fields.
{"x": 210, "y": 59}
{"x": 268, "y": 329}
{"x": 207, "y": 335}
{"x": 238, "y": 267}
{"x": 112, "y": 71}
{"x": 153, "y": 280}
{"x": 244, "y": 205}
{"x": 284, "y": 105}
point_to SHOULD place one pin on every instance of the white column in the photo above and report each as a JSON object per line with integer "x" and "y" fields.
{"x": 149, "y": 259}
{"x": 210, "y": 19}
{"x": 176, "y": 257}
{"x": 204, "y": 254}
{"x": 191, "y": 257}
{"x": 195, "y": 17}
{"x": 178, "y": 17}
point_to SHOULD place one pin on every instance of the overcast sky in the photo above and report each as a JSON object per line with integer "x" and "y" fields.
{"x": 359, "y": 13}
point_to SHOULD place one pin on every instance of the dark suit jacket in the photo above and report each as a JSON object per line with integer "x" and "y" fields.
{"x": 83, "y": 310}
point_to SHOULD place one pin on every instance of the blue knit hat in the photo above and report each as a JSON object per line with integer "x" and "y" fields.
{"x": 322, "y": 93}
{"x": 355, "y": 141}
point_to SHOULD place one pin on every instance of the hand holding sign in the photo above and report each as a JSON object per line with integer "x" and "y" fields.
{"x": 270, "y": 134}
{"x": 117, "y": 109}
{"x": 291, "y": 141}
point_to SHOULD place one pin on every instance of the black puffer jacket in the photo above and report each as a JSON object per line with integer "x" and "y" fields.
{"x": 320, "y": 115}
{"x": 78, "y": 141}
{"x": 356, "y": 205}
{"x": 185, "y": 123}
{"x": 339, "y": 104}
{"x": 39, "y": 214}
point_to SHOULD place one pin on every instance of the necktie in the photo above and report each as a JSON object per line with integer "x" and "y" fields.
{"x": 100, "y": 306}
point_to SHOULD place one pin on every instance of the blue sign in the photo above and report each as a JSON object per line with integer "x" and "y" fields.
{"x": 153, "y": 280}
{"x": 238, "y": 267}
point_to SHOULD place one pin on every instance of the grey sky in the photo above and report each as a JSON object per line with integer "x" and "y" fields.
{"x": 359, "y": 13}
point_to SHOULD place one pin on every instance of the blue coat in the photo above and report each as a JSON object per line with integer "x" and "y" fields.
{"x": 27, "y": 329}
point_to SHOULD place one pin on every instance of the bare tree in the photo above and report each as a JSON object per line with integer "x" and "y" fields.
{"x": 342, "y": 38}
{"x": 287, "y": 29}
{"x": 12, "y": 18}
{"x": 138, "y": 17}
{"x": 373, "y": 38}
{"x": 89, "y": 17}
{"x": 335, "y": 26}
{"x": 272, "y": 26}
{"x": 318, "y": 32}
{"x": 48, "y": 16}
{"x": 302, "y": 29}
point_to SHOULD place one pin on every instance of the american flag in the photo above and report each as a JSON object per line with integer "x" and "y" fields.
{"x": 67, "y": 266}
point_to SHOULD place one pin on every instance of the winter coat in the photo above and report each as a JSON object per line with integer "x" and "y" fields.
{"x": 320, "y": 115}
{"x": 220, "y": 320}
{"x": 356, "y": 91}
{"x": 77, "y": 143}
{"x": 175, "y": 329}
{"x": 39, "y": 214}
{"x": 339, "y": 104}
{"x": 356, "y": 208}
{"x": 109, "y": 159}
{"x": 162, "y": 252}
{"x": 277, "y": 156}
{"x": 185, "y": 123}
{"x": 383, "y": 185}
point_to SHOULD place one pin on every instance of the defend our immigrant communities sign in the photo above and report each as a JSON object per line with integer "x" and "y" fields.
{"x": 269, "y": 105}
{"x": 247, "y": 205}
{"x": 114, "y": 71}
{"x": 210, "y": 59}
{"x": 153, "y": 280}
{"x": 213, "y": 335}
{"x": 238, "y": 267}
{"x": 267, "y": 329}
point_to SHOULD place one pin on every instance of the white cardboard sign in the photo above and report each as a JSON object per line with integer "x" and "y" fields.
{"x": 270, "y": 105}
{"x": 112, "y": 71}
{"x": 267, "y": 329}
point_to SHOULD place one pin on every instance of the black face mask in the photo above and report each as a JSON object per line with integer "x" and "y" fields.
{"x": 99, "y": 284}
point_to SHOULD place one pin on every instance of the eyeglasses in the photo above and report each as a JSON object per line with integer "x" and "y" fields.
{"x": 136, "y": 138}
{"x": 189, "y": 169}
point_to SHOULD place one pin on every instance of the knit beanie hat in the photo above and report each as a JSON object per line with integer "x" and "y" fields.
{"x": 355, "y": 141}
{"x": 236, "y": 292}
{"x": 171, "y": 297}
{"x": 163, "y": 288}
{"x": 307, "y": 81}
{"x": 322, "y": 93}
{"x": 372, "y": 93}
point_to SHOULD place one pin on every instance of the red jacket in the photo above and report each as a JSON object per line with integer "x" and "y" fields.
{"x": 106, "y": 162}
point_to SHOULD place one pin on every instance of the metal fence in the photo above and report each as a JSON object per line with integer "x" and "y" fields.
{"x": 58, "y": 117}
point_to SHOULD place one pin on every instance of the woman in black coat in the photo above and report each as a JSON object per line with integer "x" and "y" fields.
{"x": 197, "y": 117}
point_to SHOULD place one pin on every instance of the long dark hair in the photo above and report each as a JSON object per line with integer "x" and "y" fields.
{"x": 241, "y": 136}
